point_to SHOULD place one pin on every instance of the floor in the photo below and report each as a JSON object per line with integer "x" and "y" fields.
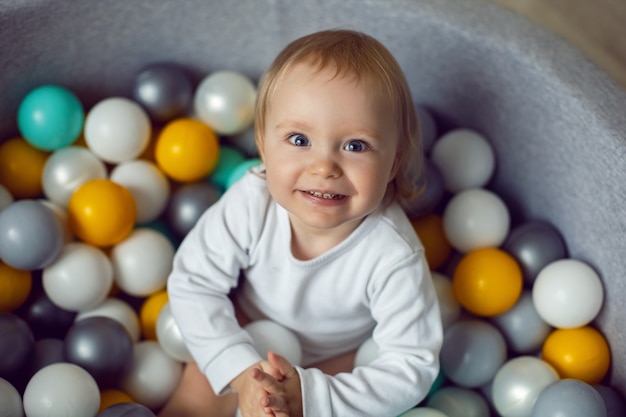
{"x": 597, "y": 27}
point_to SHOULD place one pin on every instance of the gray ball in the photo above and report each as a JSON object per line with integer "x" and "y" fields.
{"x": 614, "y": 401}
{"x": 427, "y": 126}
{"x": 473, "y": 350}
{"x": 432, "y": 194}
{"x": 16, "y": 345}
{"x": 102, "y": 347}
{"x": 187, "y": 204}
{"x": 535, "y": 244}
{"x": 165, "y": 90}
{"x": 126, "y": 410}
{"x": 31, "y": 236}
{"x": 569, "y": 398}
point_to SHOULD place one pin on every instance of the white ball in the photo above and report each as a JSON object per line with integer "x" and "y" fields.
{"x": 518, "y": 383}
{"x": 366, "y": 353}
{"x": 225, "y": 101}
{"x": 268, "y": 335}
{"x": 465, "y": 159}
{"x": 80, "y": 278}
{"x": 568, "y": 293}
{"x": 10, "y": 400}
{"x": 153, "y": 376}
{"x": 474, "y": 219}
{"x": 449, "y": 307}
{"x": 147, "y": 184}
{"x": 61, "y": 390}
{"x": 118, "y": 310}
{"x": 170, "y": 337}
{"x": 117, "y": 129}
{"x": 142, "y": 262}
{"x": 67, "y": 169}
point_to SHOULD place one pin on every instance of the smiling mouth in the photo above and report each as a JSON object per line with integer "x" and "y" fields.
{"x": 326, "y": 196}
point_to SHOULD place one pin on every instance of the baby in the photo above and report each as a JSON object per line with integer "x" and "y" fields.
{"x": 316, "y": 240}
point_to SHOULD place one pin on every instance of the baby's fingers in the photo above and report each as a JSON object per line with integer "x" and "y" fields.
{"x": 267, "y": 382}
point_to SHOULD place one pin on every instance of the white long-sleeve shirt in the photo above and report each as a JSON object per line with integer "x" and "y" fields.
{"x": 376, "y": 282}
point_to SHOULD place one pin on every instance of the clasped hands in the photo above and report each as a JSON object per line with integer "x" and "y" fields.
{"x": 269, "y": 388}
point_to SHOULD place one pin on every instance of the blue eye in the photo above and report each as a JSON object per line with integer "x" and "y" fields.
{"x": 355, "y": 146}
{"x": 298, "y": 140}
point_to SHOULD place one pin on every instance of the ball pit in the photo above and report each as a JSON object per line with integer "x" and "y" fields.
{"x": 534, "y": 100}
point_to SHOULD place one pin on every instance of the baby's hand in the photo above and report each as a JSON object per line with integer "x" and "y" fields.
{"x": 282, "y": 385}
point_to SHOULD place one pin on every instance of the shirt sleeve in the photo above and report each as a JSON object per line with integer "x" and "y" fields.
{"x": 206, "y": 268}
{"x": 408, "y": 334}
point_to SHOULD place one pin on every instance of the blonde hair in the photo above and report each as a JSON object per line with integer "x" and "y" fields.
{"x": 365, "y": 58}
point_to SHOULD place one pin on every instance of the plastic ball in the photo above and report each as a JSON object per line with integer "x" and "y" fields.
{"x": 569, "y": 398}
{"x": 268, "y": 335}
{"x": 153, "y": 377}
{"x": 67, "y": 169}
{"x": 6, "y": 198}
{"x": 47, "y": 351}
{"x": 112, "y": 396}
{"x": 164, "y": 89}
{"x": 229, "y": 159}
{"x": 31, "y": 237}
{"x": 102, "y": 347}
{"x": 60, "y": 213}
{"x": 430, "y": 230}
{"x": 187, "y": 204}
{"x": 225, "y": 100}
{"x": 15, "y": 286}
{"x": 187, "y": 150}
{"x": 61, "y": 390}
{"x": 246, "y": 142}
{"x": 118, "y": 310}
{"x": 487, "y": 282}
{"x": 465, "y": 159}
{"x": 568, "y": 293}
{"x": 117, "y": 129}
{"x": 50, "y": 117}
{"x": 472, "y": 353}
{"x": 10, "y": 400}
{"x": 16, "y": 344}
{"x": 518, "y": 383}
{"x": 614, "y": 401}
{"x": 46, "y": 319}
{"x": 240, "y": 170}
{"x": 127, "y": 410}
{"x": 581, "y": 353}
{"x": 476, "y": 218}
{"x": 459, "y": 402}
{"x": 423, "y": 412}
{"x": 427, "y": 127}
{"x": 535, "y": 244}
{"x": 147, "y": 184}
{"x": 80, "y": 278}
{"x": 449, "y": 307}
{"x": 142, "y": 262}
{"x": 21, "y": 167}
{"x": 366, "y": 353}
{"x": 149, "y": 313}
{"x": 524, "y": 330}
{"x": 101, "y": 212}
{"x": 432, "y": 194}
{"x": 169, "y": 336}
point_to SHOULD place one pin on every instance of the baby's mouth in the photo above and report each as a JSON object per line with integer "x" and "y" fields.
{"x": 326, "y": 196}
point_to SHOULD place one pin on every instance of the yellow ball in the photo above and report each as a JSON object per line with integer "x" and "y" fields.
{"x": 581, "y": 353}
{"x": 149, "y": 313}
{"x": 112, "y": 396}
{"x": 436, "y": 246}
{"x": 15, "y": 286}
{"x": 101, "y": 212}
{"x": 187, "y": 150}
{"x": 21, "y": 168}
{"x": 487, "y": 282}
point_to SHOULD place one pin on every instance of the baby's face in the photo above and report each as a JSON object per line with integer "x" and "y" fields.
{"x": 329, "y": 148}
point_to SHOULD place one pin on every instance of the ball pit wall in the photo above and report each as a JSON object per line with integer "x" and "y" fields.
{"x": 557, "y": 123}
